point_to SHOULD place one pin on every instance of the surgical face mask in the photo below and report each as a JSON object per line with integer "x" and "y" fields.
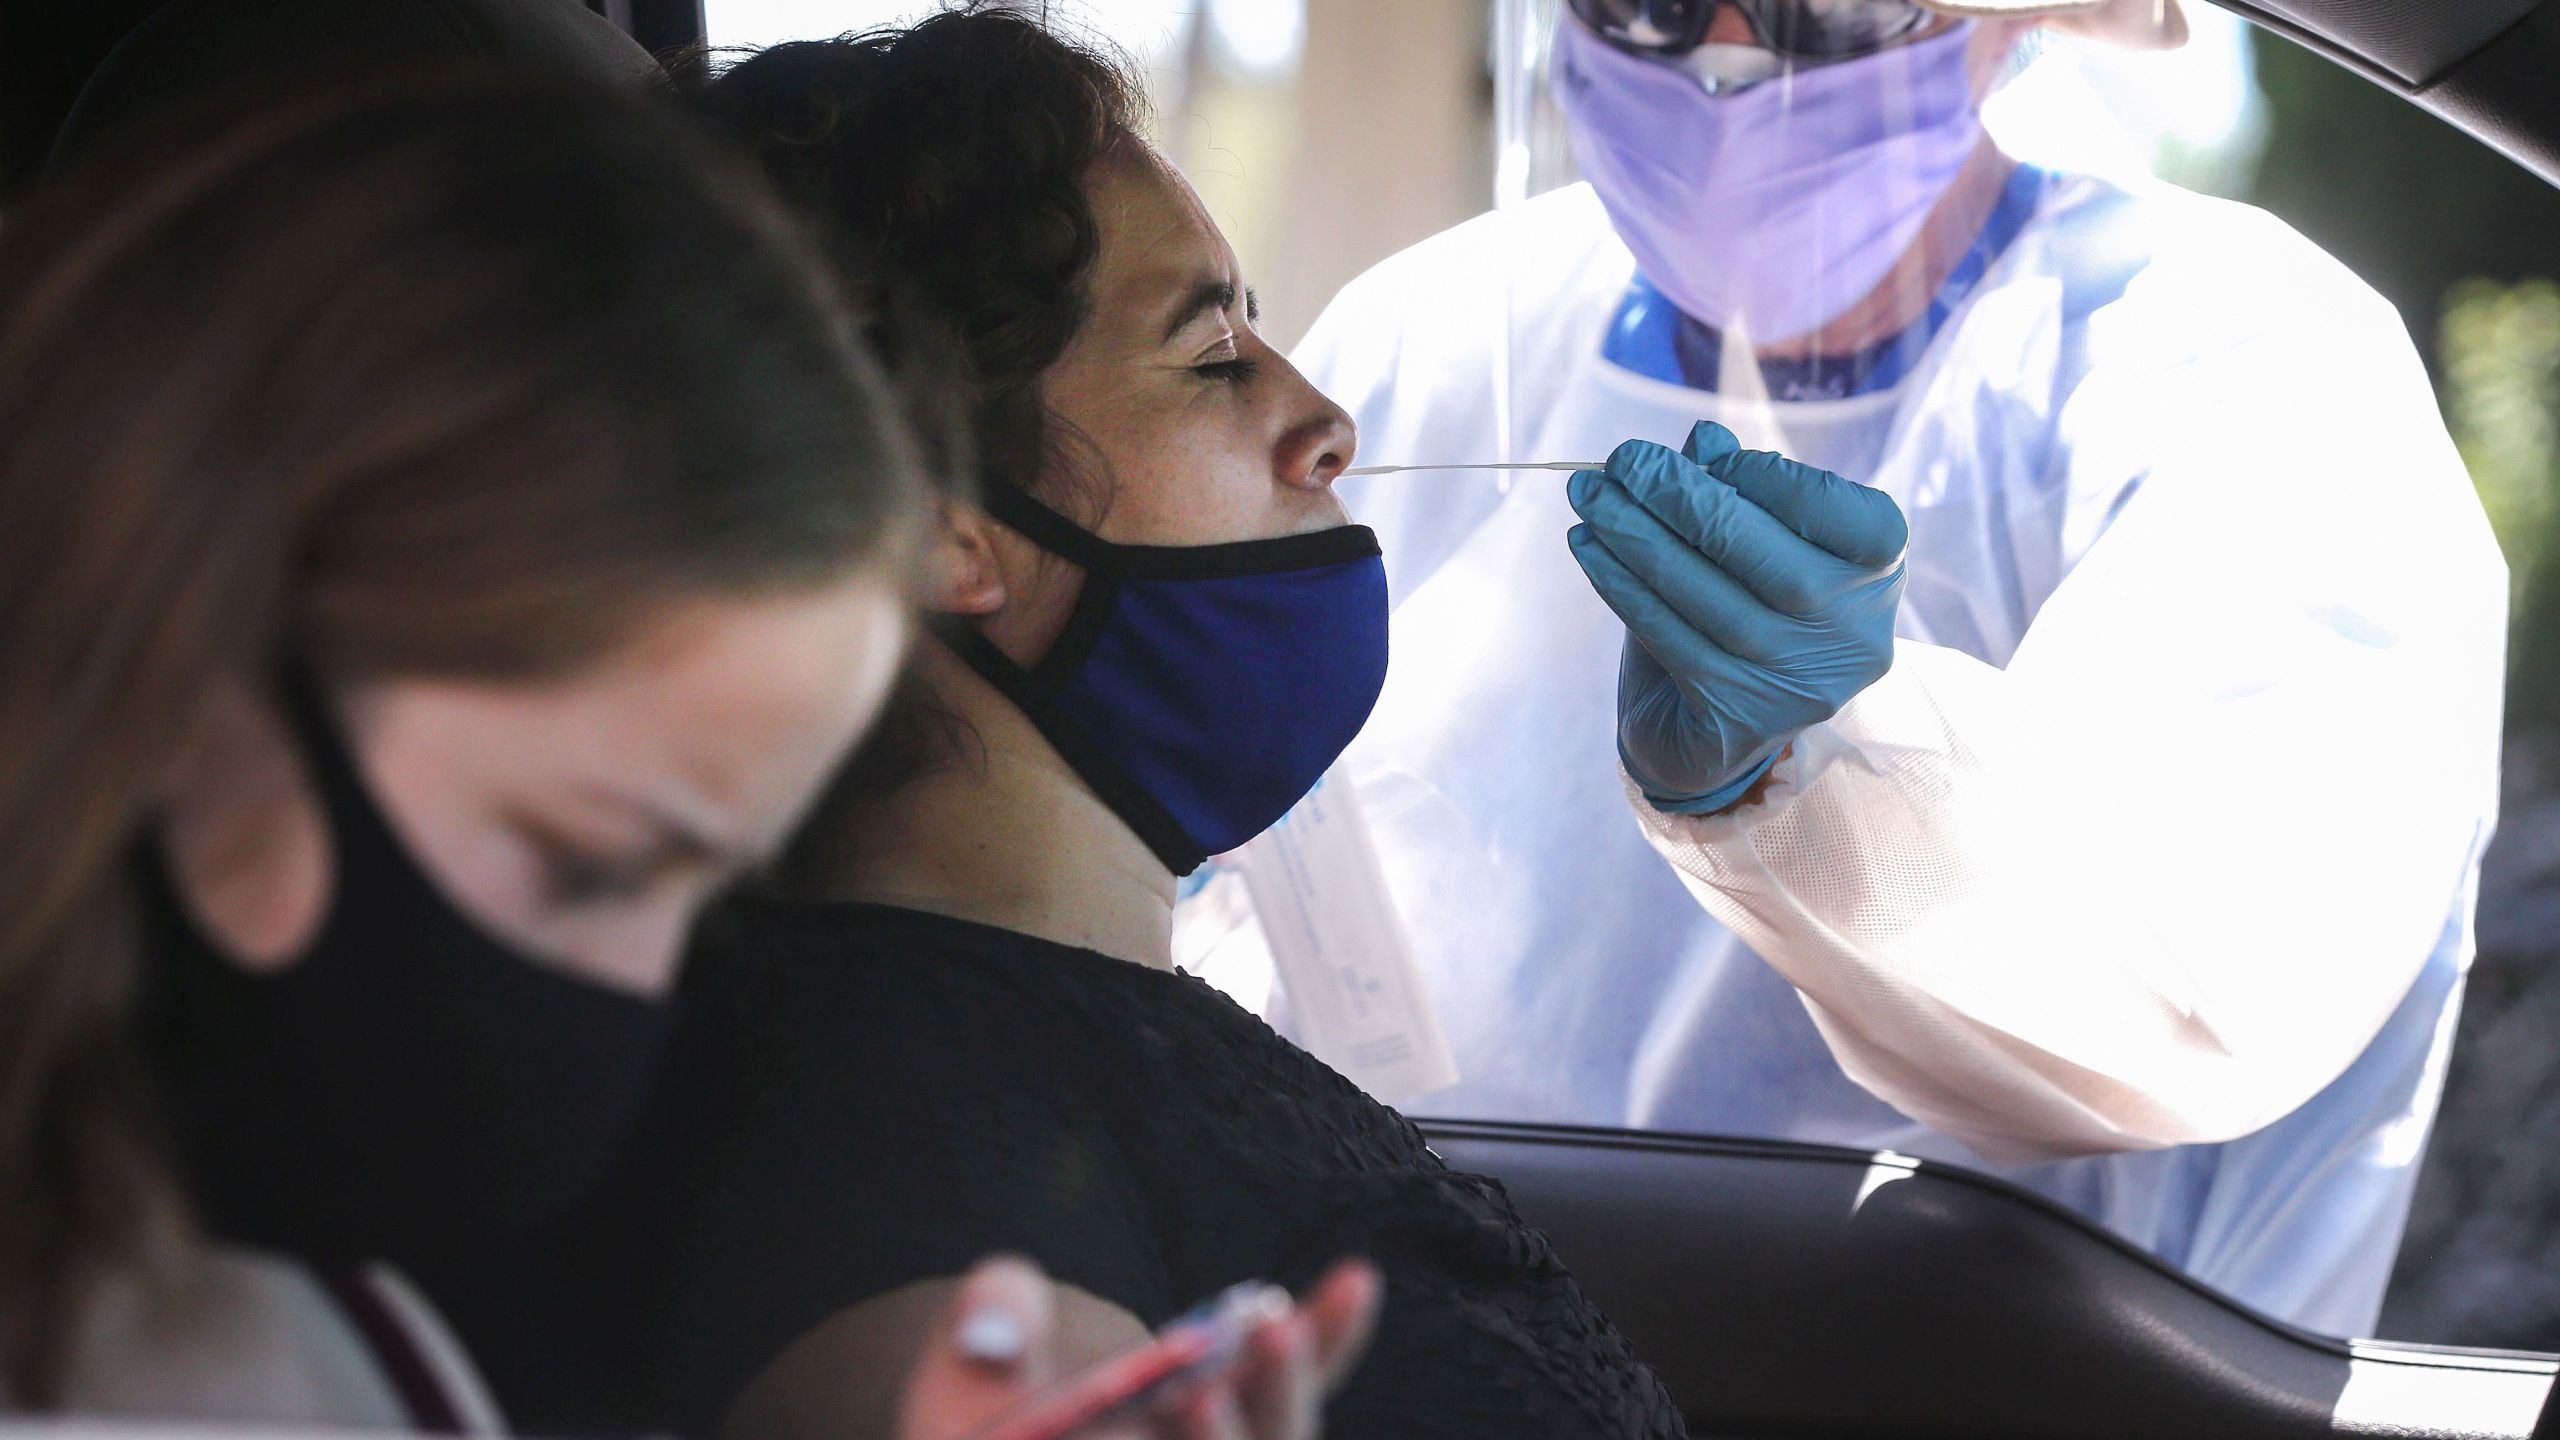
{"x": 410, "y": 1084}
{"x": 1200, "y": 690}
{"x": 1775, "y": 207}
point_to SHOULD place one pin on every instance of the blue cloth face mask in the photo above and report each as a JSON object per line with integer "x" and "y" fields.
{"x": 1779, "y": 205}
{"x": 1201, "y": 690}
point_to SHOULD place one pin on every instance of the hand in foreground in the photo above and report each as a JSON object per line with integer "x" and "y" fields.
{"x": 993, "y": 1349}
{"x": 1759, "y": 596}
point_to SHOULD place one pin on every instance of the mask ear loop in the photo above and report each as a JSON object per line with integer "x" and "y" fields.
{"x": 1048, "y": 529}
{"x": 330, "y": 766}
{"x": 322, "y": 739}
{"x": 1090, "y": 554}
{"x": 362, "y": 836}
{"x": 1152, "y": 823}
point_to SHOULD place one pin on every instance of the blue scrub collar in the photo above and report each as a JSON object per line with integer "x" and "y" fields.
{"x": 1650, "y": 336}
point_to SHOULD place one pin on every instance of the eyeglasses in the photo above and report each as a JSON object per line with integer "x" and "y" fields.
{"x": 1805, "y": 30}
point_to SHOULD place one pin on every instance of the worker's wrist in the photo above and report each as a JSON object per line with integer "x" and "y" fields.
{"x": 1724, "y": 797}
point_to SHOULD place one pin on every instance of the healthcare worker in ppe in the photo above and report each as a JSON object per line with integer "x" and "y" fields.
{"x": 2118, "y": 834}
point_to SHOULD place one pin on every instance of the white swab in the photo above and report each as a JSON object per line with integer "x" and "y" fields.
{"x": 1517, "y": 465}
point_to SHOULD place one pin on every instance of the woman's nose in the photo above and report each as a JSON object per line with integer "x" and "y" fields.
{"x": 1728, "y": 27}
{"x": 1319, "y": 444}
{"x": 641, "y": 950}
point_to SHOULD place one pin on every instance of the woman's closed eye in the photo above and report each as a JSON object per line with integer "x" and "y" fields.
{"x": 605, "y": 850}
{"x": 1231, "y": 369}
{"x": 580, "y": 867}
{"x": 574, "y": 877}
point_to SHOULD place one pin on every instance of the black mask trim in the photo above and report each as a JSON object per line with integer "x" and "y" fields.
{"x": 1067, "y": 540}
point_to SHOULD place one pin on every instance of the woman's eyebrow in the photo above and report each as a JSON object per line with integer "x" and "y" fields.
{"x": 1210, "y": 296}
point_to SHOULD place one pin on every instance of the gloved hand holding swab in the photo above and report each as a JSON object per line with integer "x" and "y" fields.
{"x": 1759, "y": 596}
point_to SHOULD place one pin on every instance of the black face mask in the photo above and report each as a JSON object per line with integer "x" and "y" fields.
{"x": 411, "y": 1085}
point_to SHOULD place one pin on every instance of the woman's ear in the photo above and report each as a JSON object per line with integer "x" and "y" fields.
{"x": 243, "y": 831}
{"x": 962, "y": 576}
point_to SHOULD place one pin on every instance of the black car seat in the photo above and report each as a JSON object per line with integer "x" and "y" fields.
{"x": 1802, "y": 1290}
{"x": 191, "y": 56}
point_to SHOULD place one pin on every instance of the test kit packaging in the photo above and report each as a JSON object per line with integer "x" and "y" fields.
{"x": 1339, "y": 950}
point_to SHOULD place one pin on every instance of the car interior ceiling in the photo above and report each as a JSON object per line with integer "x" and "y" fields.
{"x": 1787, "y": 1289}
{"x": 2483, "y": 64}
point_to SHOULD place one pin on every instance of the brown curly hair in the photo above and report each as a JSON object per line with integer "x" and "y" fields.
{"x": 952, "y": 154}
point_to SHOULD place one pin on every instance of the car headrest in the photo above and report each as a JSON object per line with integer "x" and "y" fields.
{"x": 195, "y": 54}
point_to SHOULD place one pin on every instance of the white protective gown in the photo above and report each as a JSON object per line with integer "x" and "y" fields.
{"x": 2144, "y": 878}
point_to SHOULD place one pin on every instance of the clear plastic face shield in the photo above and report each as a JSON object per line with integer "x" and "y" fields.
{"x": 1802, "y": 186}
{"x": 1792, "y": 179}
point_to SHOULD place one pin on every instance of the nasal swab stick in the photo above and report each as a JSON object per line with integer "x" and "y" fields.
{"x": 1518, "y": 465}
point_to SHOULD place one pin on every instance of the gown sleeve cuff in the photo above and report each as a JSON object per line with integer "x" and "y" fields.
{"x": 1719, "y": 797}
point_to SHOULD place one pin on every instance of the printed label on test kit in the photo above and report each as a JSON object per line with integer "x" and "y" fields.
{"x": 1340, "y": 950}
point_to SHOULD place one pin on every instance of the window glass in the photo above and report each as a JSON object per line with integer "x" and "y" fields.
{"x": 2219, "y": 196}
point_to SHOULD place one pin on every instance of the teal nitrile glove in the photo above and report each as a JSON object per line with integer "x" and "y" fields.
{"x": 1758, "y": 594}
